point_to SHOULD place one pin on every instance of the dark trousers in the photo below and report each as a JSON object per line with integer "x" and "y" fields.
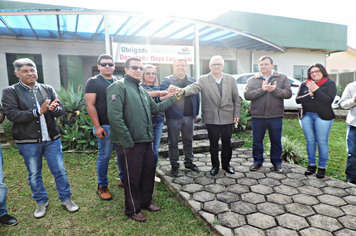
{"x": 274, "y": 127}
{"x": 139, "y": 173}
{"x": 214, "y": 133}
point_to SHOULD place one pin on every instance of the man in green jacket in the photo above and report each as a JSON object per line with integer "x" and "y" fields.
{"x": 129, "y": 112}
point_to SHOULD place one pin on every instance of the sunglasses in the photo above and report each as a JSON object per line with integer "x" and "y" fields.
{"x": 107, "y": 64}
{"x": 136, "y": 67}
{"x": 150, "y": 73}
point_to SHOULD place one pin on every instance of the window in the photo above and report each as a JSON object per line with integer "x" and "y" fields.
{"x": 300, "y": 72}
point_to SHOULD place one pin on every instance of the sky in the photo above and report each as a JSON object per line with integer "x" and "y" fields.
{"x": 330, "y": 11}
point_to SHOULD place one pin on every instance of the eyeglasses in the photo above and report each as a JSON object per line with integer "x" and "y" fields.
{"x": 314, "y": 72}
{"x": 103, "y": 64}
{"x": 136, "y": 67}
{"x": 216, "y": 65}
{"x": 150, "y": 73}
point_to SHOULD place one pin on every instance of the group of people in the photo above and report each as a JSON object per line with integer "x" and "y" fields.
{"x": 128, "y": 116}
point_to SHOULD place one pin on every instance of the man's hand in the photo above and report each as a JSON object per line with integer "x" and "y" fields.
{"x": 236, "y": 119}
{"x": 163, "y": 93}
{"x": 53, "y": 105}
{"x": 172, "y": 89}
{"x": 99, "y": 132}
{"x": 44, "y": 106}
{"x": 270, "y": 88}
{"x": 196, "y": 118}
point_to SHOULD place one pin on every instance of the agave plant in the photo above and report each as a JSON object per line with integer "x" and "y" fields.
{"x": 76, "y": 125}
{"x": 291, "y": 150}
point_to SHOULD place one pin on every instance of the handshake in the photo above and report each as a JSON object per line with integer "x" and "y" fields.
{"x": 178, "y": 92}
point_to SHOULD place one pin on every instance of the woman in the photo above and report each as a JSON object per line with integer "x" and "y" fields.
{"x": 316, "y": 96}
{"x": 150, "y": 83}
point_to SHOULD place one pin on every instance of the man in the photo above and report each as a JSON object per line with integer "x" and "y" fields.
{"x": 220, "y": 108}
{"x": 266, "y": 92}
{"x": 95, "y": 95}
{"x": 5, "y": 218}
{"x": 180, "y": 118}
{"x": 129, "y": 112}
{"x": 32, "y": 107}
{"x": 348, "y": 101}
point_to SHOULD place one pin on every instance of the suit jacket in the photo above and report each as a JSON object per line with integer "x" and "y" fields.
{"x": 217, "y": 109}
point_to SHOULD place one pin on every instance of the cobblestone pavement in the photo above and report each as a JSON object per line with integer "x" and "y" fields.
{"x": 264, "y": 202}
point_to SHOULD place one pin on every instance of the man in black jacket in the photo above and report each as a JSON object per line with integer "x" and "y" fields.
{"x": 32, "y": 108}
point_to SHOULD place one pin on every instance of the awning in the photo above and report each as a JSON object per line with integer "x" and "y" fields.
{"x": 82, "y": 25}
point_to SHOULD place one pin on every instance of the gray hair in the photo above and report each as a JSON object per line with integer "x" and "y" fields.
{"x": 23, "y": 62}
{"x": 145, "y": 67}
{"x": 217, "y": 57}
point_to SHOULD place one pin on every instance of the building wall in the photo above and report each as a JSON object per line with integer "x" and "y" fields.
{"x": 341, "y": 62}
{"x": 50, "y": 52}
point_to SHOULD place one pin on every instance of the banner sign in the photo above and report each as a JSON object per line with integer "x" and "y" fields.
{"x": 155, "y": 54}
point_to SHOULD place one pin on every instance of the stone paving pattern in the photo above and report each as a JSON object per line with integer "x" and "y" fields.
{"x": 264, "y": 202}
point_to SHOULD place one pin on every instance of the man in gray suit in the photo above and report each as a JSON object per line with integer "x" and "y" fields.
{"x": 220, "y": 109}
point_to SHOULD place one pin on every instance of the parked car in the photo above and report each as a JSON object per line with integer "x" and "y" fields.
{"x": 289, "y": 104}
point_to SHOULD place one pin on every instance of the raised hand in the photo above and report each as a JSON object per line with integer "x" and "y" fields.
{"x": 44, "y": 106}
{"x": 53, "y": 105}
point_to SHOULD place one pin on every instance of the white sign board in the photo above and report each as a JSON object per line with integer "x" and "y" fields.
{"x": 155, "y": 54}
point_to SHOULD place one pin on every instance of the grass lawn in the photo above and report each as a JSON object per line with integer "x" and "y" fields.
{"x": 337, "y": 145}
{"x": 95, "y": 216}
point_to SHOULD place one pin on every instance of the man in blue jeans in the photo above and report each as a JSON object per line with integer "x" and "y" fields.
{"x": 32, "y": 107}
{"x": 5, "y": 218}
{"x": 95, "y": 95}
{"x": 180, "y": 118}
{"x": 266, "y": 92}
{"x": 348, "y": 101}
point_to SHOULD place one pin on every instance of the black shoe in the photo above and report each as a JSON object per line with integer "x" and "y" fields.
{"x": 311, "y": 170}
{"x": 351, "y": 181}
{"x": 214, "y": 171}
{"x": 175, "y": 171}
{"x": 255, "y": 166}
{"x": 278, "y": 169}
{"x": 321, "y": 173}
{"x": 229, "y": 170}
{"x": 8, "y": 220}
{"x": 193, "y": 167}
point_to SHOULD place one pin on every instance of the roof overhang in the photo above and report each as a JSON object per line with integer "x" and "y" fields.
{"x": 82, "y": 25}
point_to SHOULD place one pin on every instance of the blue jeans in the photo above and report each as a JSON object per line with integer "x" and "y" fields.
{"x": 259, "y": 127}
{"x": 351, "y": 153}
{"x": 175, "y": 127}
{"x": 105, "y": 149}
{"x": 158, "y": 123}
{"x": 3, "y": 189}
{"x": 52, "y": 151}
{"x": 316, "y": 131}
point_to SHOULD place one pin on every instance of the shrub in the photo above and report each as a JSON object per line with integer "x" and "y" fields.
{"x": 76, "y": 125}
{"x": 291, "y": 150}
{"x": 340, "y": 90}
{"x": 245, "y": 118}
{"x": 6, "y": 125}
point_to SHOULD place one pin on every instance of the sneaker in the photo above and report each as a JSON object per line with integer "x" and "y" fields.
{"x": 40, "y": 210}
{"x": 8, "y": 220}
{"x": 70, "y": 206}
{"x": 121, "y": 184}
{"x": 103, "y": 193}
{"x": 192, "y": 167}
{"x": 157, "y": 179}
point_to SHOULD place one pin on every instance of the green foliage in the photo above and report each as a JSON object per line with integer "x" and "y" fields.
{"x": 245, "y": 118}
{"x": 76, "y": 125}
{"x": 291, "y": 150}
{"x": 340, "y": 90}
{"x": 6, "y": 125}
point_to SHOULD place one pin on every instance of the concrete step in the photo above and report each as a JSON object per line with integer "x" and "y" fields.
{"x": 198, "y": 135}
{"x": 197, "y": 126}
{"x": 199, "y": 146}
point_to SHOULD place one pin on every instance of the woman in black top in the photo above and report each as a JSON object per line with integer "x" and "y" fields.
{"x": 316, "y": 96}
